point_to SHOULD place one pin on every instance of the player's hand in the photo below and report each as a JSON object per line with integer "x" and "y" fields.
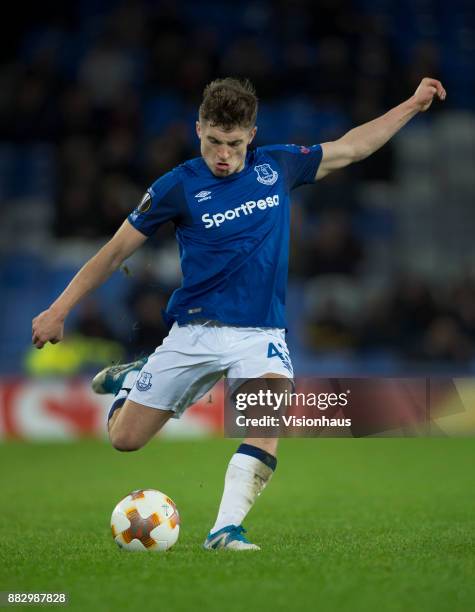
{"x": 48, "y": 326}
{"x": 426, "y": 91}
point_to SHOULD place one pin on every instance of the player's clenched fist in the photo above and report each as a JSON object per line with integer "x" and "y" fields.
{"x": 47, "y": 327}
{"x": 426, "y": 91}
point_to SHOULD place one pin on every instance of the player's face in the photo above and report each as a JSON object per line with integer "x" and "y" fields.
{"x": 224, "y": 151}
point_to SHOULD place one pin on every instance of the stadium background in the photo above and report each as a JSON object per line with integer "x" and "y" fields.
{"x": 100, "y": 98}
{"x": 97, "y": 99}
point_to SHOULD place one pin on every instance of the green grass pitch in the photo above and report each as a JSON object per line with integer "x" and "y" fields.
{"x": 346, "y": 524}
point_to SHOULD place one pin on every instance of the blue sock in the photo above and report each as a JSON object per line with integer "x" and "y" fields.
{"x": 258, "y": 453}
{"x": 117, "y": 403}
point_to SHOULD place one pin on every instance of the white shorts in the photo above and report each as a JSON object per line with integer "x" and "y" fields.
{"x": 195, "y": 356}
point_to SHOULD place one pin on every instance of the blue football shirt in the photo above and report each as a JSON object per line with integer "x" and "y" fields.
{"x": 232, "y": 233}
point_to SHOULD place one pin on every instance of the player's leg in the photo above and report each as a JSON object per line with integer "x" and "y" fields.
{"x": 133, "y": 425}
{"x": 150, "y": 391}
{"x": 249, "y": 471}
{"x": 130, "y": 424}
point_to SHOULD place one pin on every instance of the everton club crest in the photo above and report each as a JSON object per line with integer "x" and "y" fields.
{"x": 265, "y": 174}
{"x": 143, "y": 382}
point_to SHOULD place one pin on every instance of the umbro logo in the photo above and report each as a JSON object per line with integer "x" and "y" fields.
{"x": 203, "y": 195}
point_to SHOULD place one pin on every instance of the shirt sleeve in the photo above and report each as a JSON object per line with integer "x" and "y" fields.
{"x": 160, "y": 203}
{"x": 299, "y": 163}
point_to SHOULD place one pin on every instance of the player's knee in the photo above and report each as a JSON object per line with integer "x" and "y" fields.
{"x": 267, "y": 444}
{"x": 124, "y": 441}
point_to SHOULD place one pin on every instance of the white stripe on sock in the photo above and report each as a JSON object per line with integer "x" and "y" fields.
{"x": 129, "y": 380}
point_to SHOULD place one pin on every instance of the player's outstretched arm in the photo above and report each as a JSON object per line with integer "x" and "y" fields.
{"x": 361, "y": 141}
{"x": 48, "y": 325}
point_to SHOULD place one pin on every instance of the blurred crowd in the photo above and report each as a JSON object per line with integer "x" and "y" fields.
{"x": 142, "y": 328}
{"x": 114, "y": 87}
{"x": 411, "y": 320}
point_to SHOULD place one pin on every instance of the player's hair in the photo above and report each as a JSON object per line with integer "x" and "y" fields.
{"x": 229, "y": 103}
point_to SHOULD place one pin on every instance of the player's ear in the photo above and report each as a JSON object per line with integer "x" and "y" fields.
{"x": 198, "y": 129}
{"x": 252, "y": 134}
